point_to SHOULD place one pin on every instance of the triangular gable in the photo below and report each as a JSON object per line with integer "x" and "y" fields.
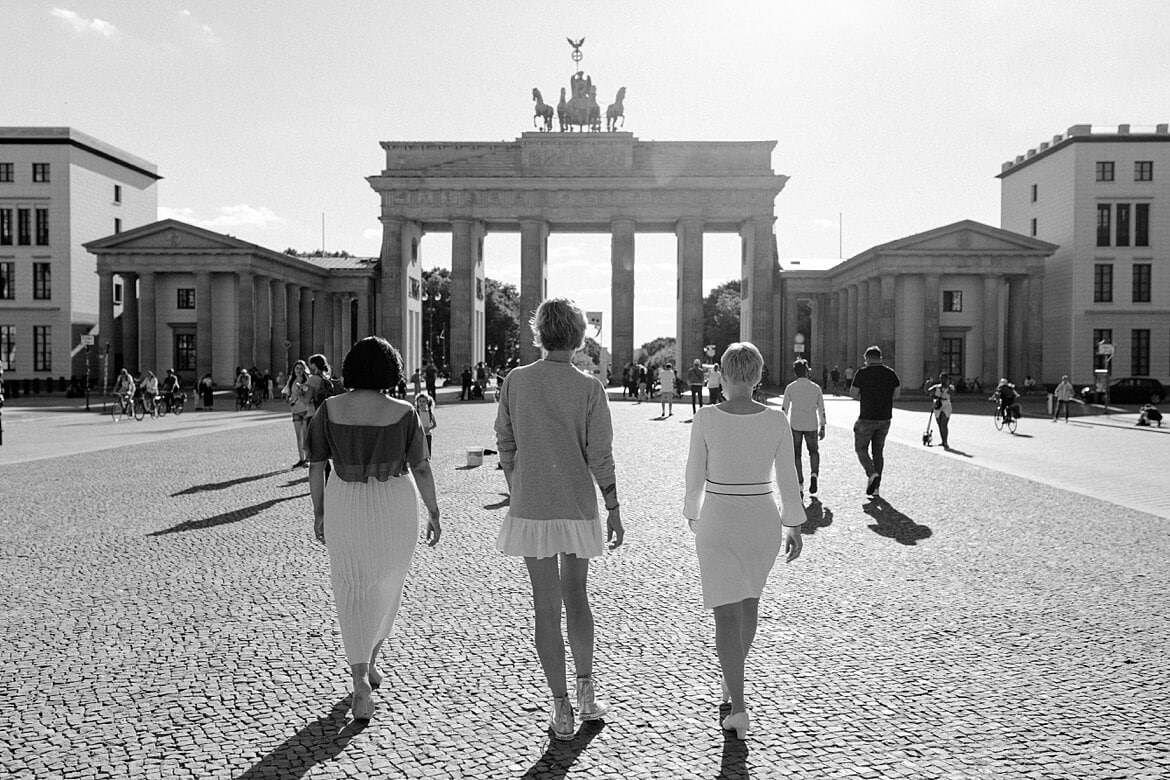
{"x": 168, "y": 234}
{"x": 967, "y": 236}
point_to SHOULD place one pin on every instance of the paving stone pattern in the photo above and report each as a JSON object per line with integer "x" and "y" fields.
{"x": 167, "y": 614}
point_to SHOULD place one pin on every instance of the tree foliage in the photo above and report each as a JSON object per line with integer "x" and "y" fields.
{"x": 721, "y": 316}
{"x": 501, "y": 317}
{"x": 657, "y": 353}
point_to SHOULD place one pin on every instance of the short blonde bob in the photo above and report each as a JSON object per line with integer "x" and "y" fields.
{"x": 742, "y": 362}
{"x": 559, "y": 324}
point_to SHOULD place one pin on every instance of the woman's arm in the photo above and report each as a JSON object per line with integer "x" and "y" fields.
{"x": 696, "y": 473}
{"x": 791, "y": 507}
{"x": 426, "y": 487}
{"x": 317, "y": 492}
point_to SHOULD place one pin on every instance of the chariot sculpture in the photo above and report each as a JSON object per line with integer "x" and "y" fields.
{"x": 578, "y": 107}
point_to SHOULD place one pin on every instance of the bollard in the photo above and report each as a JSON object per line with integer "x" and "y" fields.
{"x": 1050, "y": 401}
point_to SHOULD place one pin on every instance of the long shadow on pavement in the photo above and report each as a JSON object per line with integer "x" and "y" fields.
{"x": 233, "y": 516}
{"x": 227, "y": 484}
{"x": 316, "y": 743}
{"x": 893, "y": 524}
{"x": 816, "y": 516}
{"x": 559, "y": 756}
{"x": 734, "y": 765}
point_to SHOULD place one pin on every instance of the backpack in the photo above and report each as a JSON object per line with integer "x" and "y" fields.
{"x": 329, "y": 388}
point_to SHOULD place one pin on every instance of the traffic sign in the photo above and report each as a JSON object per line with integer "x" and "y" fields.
{"x": 1105, "y": 348}
{"x": 86, "y": 339}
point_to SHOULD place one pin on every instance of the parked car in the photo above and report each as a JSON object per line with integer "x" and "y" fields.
{"x": 1136, "y": 390}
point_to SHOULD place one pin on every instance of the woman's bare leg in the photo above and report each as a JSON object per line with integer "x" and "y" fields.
{"x": 374, "y": 676}
{"x": 546, "y": 602}
{"x": 578, "y": 615}
{"x": 729, "y": 636}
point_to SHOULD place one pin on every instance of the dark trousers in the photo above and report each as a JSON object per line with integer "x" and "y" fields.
{"x": 809, "y": 439}
{"x": 871, "y": 435}
{"x": 716, "y": 394}
{"x": 696, "y": 394}
{"x": 1061, "y": 405}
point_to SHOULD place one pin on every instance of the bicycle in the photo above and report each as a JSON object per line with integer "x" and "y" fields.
{"x": 246, "y": 400}
{"x": 142, "y": 408}
{"x": 171, "y": 402}
{"x": 122, "y": 407}
{"x": 1010, "y": 419}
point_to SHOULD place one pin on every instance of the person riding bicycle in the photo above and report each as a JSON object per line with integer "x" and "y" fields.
{"x": 148, "y": 385}
{"x": 1005, "y": 393}
{"x": 124, "y": 387}
{"x": 244, "y": 385}
{"x": 170, "y": 388}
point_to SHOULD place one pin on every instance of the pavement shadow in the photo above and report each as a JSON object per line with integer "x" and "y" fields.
{"x": 816, "y": 516}
{"x": 505, "y": 501}
{"x": 892, "y": 524}
{"x": 559, "y": 756}
{"x": 227, "y": 484}
{"x": 234, "y": 516}
{"x": 960, "y": 453}
{"x": 734, "y": 764}
{"x": 316, "y": 743}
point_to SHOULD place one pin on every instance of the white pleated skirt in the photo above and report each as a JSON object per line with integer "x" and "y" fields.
{"x": 371, "y": 529}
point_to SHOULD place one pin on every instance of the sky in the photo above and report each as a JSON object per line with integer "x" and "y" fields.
{"x": 890, "y": 118}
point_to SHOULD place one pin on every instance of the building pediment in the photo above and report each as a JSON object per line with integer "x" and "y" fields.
{"x": 966, "y": 237}
{"x": 169, "y": 235}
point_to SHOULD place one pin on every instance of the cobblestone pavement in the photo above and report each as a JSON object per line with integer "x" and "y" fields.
{"x": 167, "y": 614}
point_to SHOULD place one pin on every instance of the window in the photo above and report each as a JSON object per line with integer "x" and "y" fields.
{"x": 6, "y": 173}
{"x": 1122, "y": 224}
{"x": 117, "y": 225}
{"x": 117, "y": 293}
{"x": 1139, "y": 351}
{"x": 1141, "y": 225}
{"x": 117, "y": 193}
{"x": 1102, "y": 334}
{"x": 41, "y": 173}
{"x": 1104, "y": 171}
{"x": 42, "y": 227}
{"x": 184, "y": 351}
{"x": 42, "y": 281}
{"x": 1034, "y": 189}
{"x": 23, "y": 232}
{"x": 1103, "y": 283}
{"x": 952, "y": 300}
{"x": 5, "y": 227}
{"x": 1143, "y": 170}
{"x": 186, "y": 298}
{"x": 952, "y": 356}
{"x": 1103, "y": 224}
{"x": 42, "y": 348}
{"x": 8, "y": 347}
{"x": 8, "y": 281}
{"x": 1141, "y": 282}
{"x": 1033, "y": 226}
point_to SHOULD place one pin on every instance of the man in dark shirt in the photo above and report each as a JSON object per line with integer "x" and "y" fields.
{"x": 429, "y": 373}
{"x": 877, "y": 387}
{"x": 695, "y": 379}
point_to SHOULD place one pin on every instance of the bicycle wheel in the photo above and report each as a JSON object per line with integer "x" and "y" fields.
{"x": 179, "y": 401}
{"x": 160, "y": 405}
{"x": 1011, "y": 423}
{"x": 154, "y": 410}
{"x": 139, "y": 409}
{"x": 117, "y": 409}
{"x": 998, "y": 419}
{"x": 241, "y": 403}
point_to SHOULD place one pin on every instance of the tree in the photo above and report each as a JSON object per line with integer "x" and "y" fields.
{"x": 436, "y": 310}
{"x": 317, "y": 253}
{"x": 721, "y": 316}
{"x": 657, "y": 353}
{"x": 501, "y": 303}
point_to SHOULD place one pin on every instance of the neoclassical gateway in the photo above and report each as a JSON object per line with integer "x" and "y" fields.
{"x": 594, "y": 182}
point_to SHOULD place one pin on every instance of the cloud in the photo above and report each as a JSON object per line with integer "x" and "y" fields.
{"x": 821, "y": 222}
{"x": 374, "y": 234}
{"x": 81, "y": 25}
{"x": 228, "y": 217}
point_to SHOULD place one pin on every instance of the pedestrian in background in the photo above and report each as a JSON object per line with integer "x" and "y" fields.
{"x": 1063, "y": 395}
{"x": 367, "y": 514}
{"x": 555, "y": 439}
{"x": 736, "y": 450}
{"x": 835, "y": 377}
{"x": 940, "y": 394}
{"x": 667, "y": 381}
{"x": 877, "y": 387}
{"x": 430, "y": 374}
{"x": 299, "y": 396}
{"x": 715, "y": 384}
{"x": 804, "y": 403}
{"x": 696, "y": 379}
{"x": 424, "y": 405}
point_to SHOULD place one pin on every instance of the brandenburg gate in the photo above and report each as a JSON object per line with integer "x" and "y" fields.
{"x": 584, "y": 182}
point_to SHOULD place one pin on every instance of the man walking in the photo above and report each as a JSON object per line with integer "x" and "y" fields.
{"x": 1063, "y": 394}
{"x": 429, "y": 375}
{"x": 877, "y": 387}
{"x": 804, "y": 403}
{"x": 695, "y": 379}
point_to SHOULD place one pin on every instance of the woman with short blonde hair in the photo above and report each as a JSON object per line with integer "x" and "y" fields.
{"x": 555, "y": 436}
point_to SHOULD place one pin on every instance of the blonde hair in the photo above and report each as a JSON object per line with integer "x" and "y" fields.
{"x": 559, "y": 323}
{"x": 742, "y": 362}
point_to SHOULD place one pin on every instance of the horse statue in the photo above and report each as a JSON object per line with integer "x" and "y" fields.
{"x": 543, "y": 111}
{"x": 615, "y": 112}
{"x": 563, "y": 112}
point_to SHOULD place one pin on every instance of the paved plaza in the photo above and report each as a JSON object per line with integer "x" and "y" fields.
{"x": 1000, "y": 612}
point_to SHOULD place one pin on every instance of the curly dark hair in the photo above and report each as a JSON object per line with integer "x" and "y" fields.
{"x": 372, "y": 364}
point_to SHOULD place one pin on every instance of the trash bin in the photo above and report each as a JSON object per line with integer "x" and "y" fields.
{"x": 475, "y": 456}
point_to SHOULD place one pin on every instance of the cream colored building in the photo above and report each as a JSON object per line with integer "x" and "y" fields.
{"x": 1104, "y": 198}
{"x": 59, "y": 188}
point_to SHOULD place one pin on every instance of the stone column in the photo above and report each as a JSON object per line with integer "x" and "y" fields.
{"x": 246, "y": 324}
{"x": 887, "y": 292}
{"x": 148, "y": 326}
{"x": 393, "y": 326}
{"x": 992, "y": 328}
{"x": 763, "y": 273}
{"x": 130, "y": 323}
{"x": 105, "y": 346}
{"x": 851, "y": 340}
{"x": 909, "y": 330}
{"x": 278, "y": 355}
{"x": 338, "y": 345}
{"x": 1034, "y": 325}
{"x": 931, "y": 303}
{"x": 875, "y": 313}
{"x": 203, "y": 325}
{"x": 264, "y": 325}
{"x": 621, "y": 258}
{"x": 467, "y": 301}
{"x": 689, "y": 294}
{"x": 363, "y": 321}
{"x": 305, "y": 305}
{"x": 533, "y": 280}
{"x": 864, "y": 336}
{"x": 292, "y": 313}
{"x": 322, "y": 310}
